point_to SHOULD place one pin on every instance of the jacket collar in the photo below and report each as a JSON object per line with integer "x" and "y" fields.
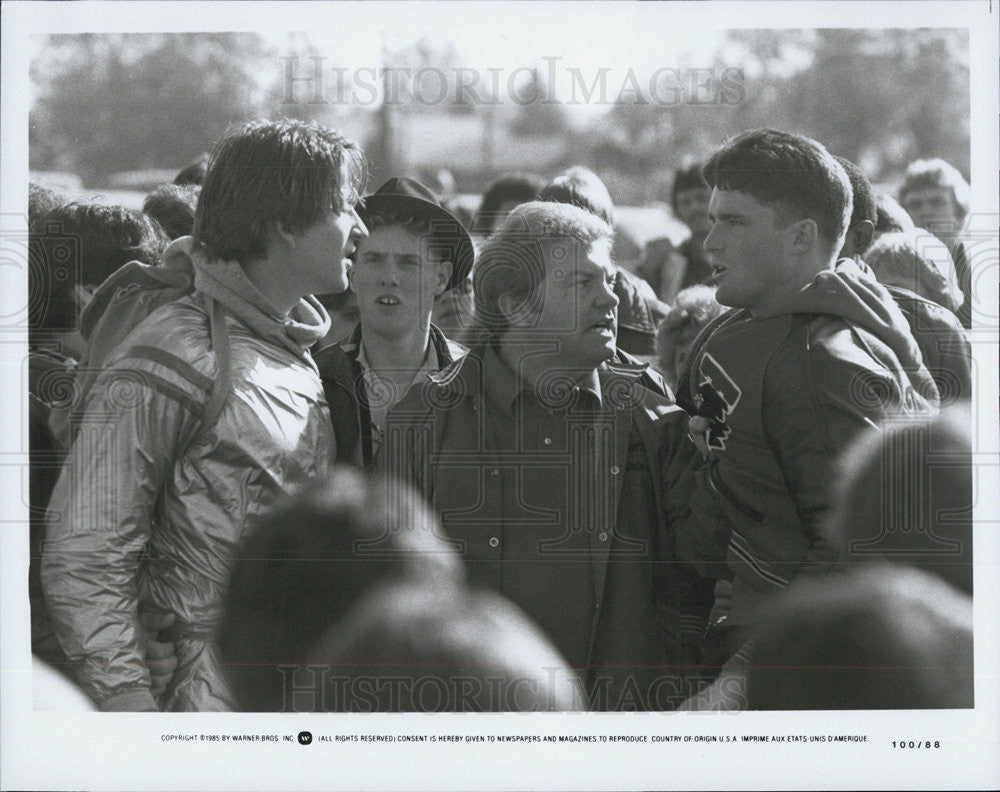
{"x": 352, "y": 345}
{"x": 448, "y": 351}
{"x": 621, "y": 367}
{"x": 227, "y": 283}
{"x": 504, "y": 387}
{"x": 340, "y": 361}
{"x": 466, "y": 374}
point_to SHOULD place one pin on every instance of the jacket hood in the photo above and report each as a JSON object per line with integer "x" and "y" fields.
{"x": 226, "y": 282}
{"x": 855, "y": 296}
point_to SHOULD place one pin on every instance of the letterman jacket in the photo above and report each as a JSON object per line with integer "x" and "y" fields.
{"x": 785, "y": 393}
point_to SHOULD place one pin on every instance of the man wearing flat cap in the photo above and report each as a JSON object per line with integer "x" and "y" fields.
{"x": 415, "y": 251}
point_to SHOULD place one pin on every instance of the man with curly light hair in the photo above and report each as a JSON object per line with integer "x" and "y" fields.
{"x": 556, "y": 468}
{"x": 936, "y": 196}
{"x": 694, "y": 308}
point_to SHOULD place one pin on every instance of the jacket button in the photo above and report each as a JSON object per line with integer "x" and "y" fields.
{"x": 494, "y": 542}
{"x": 615, "y": 470}
{"x": 547, "y": 441}
{"x": 603, "y": 536}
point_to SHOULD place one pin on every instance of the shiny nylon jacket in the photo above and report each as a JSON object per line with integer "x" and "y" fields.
{"x": 149, "y": 508}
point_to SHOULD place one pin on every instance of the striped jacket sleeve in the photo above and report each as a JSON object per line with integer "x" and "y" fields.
{"x": 139, "y": 416}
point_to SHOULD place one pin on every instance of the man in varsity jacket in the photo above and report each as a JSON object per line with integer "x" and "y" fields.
{"x": 814, "y": 353}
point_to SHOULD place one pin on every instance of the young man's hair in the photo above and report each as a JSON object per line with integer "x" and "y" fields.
{"x": 935, "y": 172}
{"x": 791, "y": 174}
{"x": 82, "y": 244}
{"x": 41, "y": 201}
{"x": 513, "y": 260}
{"x": 862, "y": 194}
{"x": 512, "y": 187}
{"x": 890, "y": 216}
{"x": 286, "y": 172}
{"x": 193, "y": 173}
{"x": 686, "y": 178}
{"x": 581, "y": 187}
{"x": 917, "y": 261}
{"x": 301, "y": 571}
{"x": 173, "y": 207}
{"x": 694, "y": 308}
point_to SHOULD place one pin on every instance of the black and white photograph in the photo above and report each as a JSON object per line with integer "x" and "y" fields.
{"x": 500, "y": 395}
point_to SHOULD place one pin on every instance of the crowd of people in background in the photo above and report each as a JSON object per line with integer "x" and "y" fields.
{"x": 298, "y": 446}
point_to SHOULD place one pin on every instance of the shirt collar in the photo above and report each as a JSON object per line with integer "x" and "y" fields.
{"x": 430, "y": 362}
{"x": 502, "y": 387}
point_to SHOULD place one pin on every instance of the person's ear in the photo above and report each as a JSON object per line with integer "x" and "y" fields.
{"x": 864, "y": 236}
{"x": 515, "y": 308}
{"x": 281, "y": 235}
{"x": 803, "y": 235}
{"x": 444, "y": 269}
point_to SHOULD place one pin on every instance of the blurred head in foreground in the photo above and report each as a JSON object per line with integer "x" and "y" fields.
{"x": 906, "y": 497}
{"x": 307, "y": 565}
{"x": 407, "y": 647}
{"x": 886, "y": 637}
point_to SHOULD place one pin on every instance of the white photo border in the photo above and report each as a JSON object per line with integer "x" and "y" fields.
{"x": 48, "y": 750}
